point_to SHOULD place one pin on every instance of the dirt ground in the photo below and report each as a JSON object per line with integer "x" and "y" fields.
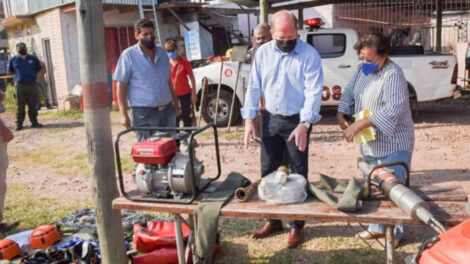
{"x": 441, "y": 155}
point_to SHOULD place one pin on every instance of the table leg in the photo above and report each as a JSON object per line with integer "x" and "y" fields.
{"x": 190, "y": 242}
{"x": 389, "y": 244}
{"x": 179, "y": 239}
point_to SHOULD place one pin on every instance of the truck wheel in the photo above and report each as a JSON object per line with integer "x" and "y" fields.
{"x": 225, "y": 102}
{"x": 413, "y": 103}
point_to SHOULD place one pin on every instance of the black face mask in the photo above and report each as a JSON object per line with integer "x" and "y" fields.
{"x": 286, "y": 45}
{"x": 149, "y": 42}
{"x": 22, "y": 52}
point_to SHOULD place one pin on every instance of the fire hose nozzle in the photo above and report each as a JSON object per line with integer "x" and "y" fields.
{"x": 408, "y": 201}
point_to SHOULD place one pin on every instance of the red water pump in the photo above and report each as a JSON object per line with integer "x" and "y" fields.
{"x": 163, "y": 168}
{"x": 167, "y": 169}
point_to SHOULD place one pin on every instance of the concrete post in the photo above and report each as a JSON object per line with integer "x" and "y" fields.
{"x": 90, "y": 29}
{"x": 263, "y": 11}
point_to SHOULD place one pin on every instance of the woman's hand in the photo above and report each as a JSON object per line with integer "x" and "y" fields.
{"x": 342, "y": 122}
{"x": 355, "y": 128}
{"x": 351, "y": 131}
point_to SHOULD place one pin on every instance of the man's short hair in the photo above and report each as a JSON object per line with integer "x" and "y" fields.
{"x": 21, "y": 45}
{"x": 141, "y": 23}
{"x": 291, "y": 15}
{"x": 262, "y": 28}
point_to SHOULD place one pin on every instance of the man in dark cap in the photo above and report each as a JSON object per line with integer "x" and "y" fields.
{"x": 24, "y": 68}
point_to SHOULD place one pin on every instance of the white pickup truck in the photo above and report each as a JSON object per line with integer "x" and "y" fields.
{"x": 430, "y": 76}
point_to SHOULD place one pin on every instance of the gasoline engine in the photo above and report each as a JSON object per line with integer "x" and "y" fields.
{"x": 163, "y": 166}
{"x": 167, "y": 169}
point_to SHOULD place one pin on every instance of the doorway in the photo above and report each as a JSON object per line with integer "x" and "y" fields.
{"x": 51, "y": 88}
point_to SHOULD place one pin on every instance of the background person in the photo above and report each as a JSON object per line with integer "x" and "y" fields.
{"x": 180, "y": 71}
{"x": 380, "y": 86}
{"x": 287, "y": 73}
{"x": 41, "y": 82}
{"x": 24, "y": 68}
{"x": 143, "y": 77}
{"x": 261, "y": 35}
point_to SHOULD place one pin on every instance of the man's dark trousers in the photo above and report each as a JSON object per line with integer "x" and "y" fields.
{"x": 26, "y": 94}
{"x": 275, "y": 132}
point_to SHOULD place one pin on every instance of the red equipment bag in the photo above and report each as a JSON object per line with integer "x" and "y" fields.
{"x": 156, "y": 235}
{"x": 166, "y": 255}
{"x": 451, "y": 247}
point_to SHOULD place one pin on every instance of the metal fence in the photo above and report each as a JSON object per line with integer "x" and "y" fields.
{"x": 408, "y": 21}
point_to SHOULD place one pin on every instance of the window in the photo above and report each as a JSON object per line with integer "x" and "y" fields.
{"x": 328, "y": 45}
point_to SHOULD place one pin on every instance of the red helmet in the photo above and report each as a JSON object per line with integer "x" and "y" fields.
{"x": 9, "y": 249}
{"x": 44, "y": 236}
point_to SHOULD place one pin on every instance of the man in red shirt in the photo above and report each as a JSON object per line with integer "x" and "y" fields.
{"x": 180, "y": 71}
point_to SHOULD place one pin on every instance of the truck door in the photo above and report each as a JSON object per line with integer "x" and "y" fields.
{"x": 338, "y": 61}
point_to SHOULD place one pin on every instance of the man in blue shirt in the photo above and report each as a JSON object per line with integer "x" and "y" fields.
{"x": 24, "y": 68}
{"x": 143, "y": 78}
{"x": 287, "y": 74}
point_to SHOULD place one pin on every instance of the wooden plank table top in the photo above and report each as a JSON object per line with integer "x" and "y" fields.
{"x": 449, "y": 209}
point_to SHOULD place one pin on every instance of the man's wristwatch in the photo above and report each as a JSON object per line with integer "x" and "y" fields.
{"x": 305, "y": 124}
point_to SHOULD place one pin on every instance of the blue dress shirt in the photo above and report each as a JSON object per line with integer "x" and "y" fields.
{"x": 147, "y": 79}
{"x": 290, "y": 83}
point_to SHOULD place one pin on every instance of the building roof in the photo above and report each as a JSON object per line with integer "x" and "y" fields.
{"x": 15, "y": 20}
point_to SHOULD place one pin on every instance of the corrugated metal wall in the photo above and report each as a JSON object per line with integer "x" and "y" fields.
{"x": 24, "y": 7}
{"x": 408, "y": 21}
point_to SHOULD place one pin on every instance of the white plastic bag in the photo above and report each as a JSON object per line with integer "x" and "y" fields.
{"x": 280, "y": 188}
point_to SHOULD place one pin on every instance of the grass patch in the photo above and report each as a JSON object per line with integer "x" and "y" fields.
{"x": 63, "y": 114}
{"x": 75, "y": 164}
{"x": 127, "y": 164}
{"x": 115, "y": 115}
{"x": 10, "y": 100}
{"x": 222, "y": 133}
{"x": 33, "y": 210}
{"x": 59, "y": 129}
{"x": 318, "y": 247}
{"x": 234, "y": 134}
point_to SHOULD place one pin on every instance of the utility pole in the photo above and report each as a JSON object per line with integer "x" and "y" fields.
{"x": 90, "y": 28}
{"x": 300, "y": 19}
{"x": 263, "y": 11}
{"x": 439, "y": 26}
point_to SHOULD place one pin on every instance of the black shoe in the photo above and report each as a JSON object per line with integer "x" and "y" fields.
{"x": 18, "y": 127}
{"x": 37, "y": 125}
{"x": 5, "y": 227}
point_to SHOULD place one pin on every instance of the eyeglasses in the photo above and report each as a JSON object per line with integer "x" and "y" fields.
{"x": 369, "y": 60}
